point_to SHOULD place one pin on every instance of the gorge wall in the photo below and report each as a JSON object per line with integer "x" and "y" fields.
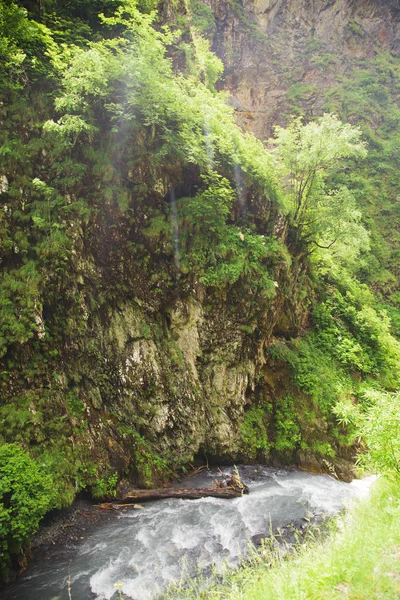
{"x": 131, "y": 365}
{"x": 282, "y": 56}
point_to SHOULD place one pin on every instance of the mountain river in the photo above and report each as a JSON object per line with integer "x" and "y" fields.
{"x": 146, "y": 549}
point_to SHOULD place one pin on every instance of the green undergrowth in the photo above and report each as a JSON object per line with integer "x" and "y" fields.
{"x": 370, "y": 98}
{"x": 349, "y": 354}
{"x": 27, "y": 493}
{"x": 358, "y": 559}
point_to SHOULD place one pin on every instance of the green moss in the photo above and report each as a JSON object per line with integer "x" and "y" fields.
{"x": 202, "y": 17}
{"x": 299, "y": 93}
{"x": 145, "y": 331}
{"x": 150, "y": 468}
{"x": 175, "y": 354}
{"x": 324, "y": 61}
{"x": 356, "y": 28}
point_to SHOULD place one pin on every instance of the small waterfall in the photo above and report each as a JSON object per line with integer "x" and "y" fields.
{"x": 173, "y": 215}
{"x": 208, "y": 143}
{"x": 239, "y": 189}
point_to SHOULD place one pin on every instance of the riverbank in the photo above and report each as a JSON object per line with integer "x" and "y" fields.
{"x": 68, "y": 526}
{"x": 359, "y": 559}
{"x": 61, "y": 529}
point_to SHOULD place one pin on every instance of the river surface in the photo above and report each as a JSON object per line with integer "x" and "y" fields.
{"x": 146, "y": 549}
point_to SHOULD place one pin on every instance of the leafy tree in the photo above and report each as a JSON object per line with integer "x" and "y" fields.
{"x": 24, "y": 44}
{"x": 305, "y": 156}
{"x": 219, "y": 252}
{"x": 380, "y": 429}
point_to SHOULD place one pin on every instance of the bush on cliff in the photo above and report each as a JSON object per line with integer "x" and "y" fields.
{"x": 26, "y": 494}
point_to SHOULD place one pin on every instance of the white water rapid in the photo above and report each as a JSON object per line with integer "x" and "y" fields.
{"x": 146, "y": 549}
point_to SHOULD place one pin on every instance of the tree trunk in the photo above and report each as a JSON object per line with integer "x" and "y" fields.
{"x": 191, "y": 493}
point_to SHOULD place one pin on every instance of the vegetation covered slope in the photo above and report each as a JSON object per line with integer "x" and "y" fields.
{"x": 156, "y": 261}
{"x": 306, "y": 59}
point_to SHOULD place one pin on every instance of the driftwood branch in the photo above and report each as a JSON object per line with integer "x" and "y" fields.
{"x": 191, "y": 494}
{"x": 230, "y": 487}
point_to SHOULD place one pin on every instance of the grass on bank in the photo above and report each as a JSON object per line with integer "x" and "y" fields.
{"x": 360, "y": 560}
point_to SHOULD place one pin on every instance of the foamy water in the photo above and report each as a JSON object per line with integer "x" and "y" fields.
{"x": 147, "y": 549}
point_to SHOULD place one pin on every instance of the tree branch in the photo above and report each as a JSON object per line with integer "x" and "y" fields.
{"x": 324, "y": 247}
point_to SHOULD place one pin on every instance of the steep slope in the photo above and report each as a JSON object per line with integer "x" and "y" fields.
{"x": 129, "y": 308}
{"x": 306, "y": 58}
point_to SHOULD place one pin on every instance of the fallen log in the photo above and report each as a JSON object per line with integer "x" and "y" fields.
{"x": 117, "y": 507}
{"x": 188, "y": 494}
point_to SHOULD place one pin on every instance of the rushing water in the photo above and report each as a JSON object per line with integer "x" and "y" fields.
{"x": 146, "y": 549}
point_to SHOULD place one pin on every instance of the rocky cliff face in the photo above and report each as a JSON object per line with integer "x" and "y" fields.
{"x": 141, "y": 376}
{"x": 280, "y": 55}
{"x": 143, "y": 387}
{"x": 147, "y": 369}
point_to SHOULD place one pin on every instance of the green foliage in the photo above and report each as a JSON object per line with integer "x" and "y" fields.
{"x": 208, "y": 211}
{"x": 145, "y": 330}
{"x": 287, "y": 428}
{"x": 350, "y": 341}
{"x": 24, "y": 46}
{"x": 20, "y": 305}
{"x": 305, "y": 155}
{"x": 253, "y": 434}
{"x": 208, "y": 65}
{"x": 66, "y": 466}
{"x": 26, "y": 494}
{"x": 177, "y": 116}
{"x": 221, "y": 253}
{"x": 146, "y": 6}
{"x": 99, "y": 129}
{"x": 379, "y": 426}
{"x": 356, "y": 334}
{"x": 105, "y": 486}
{"x": 150, "y": 468}
{"x": 314, "y": 371}
{"x": 202, "y": 17}
{"x": 299, "y": 92}
{"x": 324, "y": 61}
{"x": 369, "y": 97}
{"x": 355, "y": 28}
{"x": 76, "y": 406}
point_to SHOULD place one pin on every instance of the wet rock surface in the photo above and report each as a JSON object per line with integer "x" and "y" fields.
{"x": 68, "y": 527}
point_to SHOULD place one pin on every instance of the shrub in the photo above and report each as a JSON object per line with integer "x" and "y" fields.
{"x": 380, "y": 429}
{"x": 288, "y": 435}
{"x": 26, "y": 494}
{"x": 253, "y": 433}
